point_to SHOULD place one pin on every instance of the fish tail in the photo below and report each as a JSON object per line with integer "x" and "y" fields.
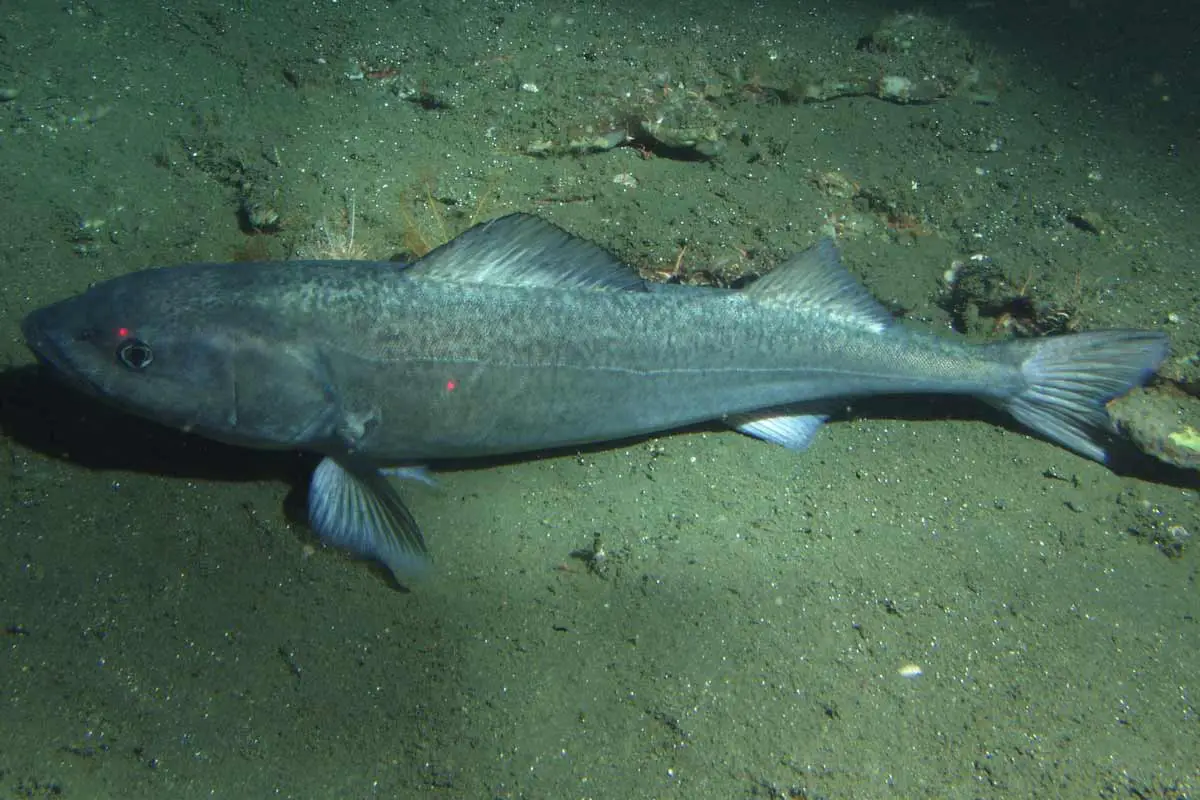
{"x": 1069, "y": 379}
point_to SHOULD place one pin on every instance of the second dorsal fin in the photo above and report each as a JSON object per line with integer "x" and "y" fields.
{"x": 814, "y": 281}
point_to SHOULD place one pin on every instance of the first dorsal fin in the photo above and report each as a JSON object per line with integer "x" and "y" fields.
{"x": 523, "y": 250}
{"x": 815, "y": 282}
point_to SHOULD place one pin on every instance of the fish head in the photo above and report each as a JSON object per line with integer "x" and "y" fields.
{"x": 182, "y": 348}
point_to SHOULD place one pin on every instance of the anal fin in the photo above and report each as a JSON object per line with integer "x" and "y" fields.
{"x": 793, "y": 431}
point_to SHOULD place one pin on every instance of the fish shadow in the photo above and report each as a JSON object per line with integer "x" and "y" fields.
{"x": 42, "y": 414}
{"x": 1124, "y": 458}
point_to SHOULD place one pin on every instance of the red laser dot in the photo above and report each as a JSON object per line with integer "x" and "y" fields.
{"x": 451, "y": 385}
{"x": 122, "y": 332}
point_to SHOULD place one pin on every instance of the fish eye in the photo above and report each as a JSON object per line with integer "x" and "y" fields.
{"x": 135, "y": 354}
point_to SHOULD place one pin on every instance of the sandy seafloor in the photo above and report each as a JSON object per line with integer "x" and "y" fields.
{"x": 172, "y": 628}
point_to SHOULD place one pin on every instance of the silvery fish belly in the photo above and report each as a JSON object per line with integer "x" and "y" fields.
{"x": 517, "y": 337}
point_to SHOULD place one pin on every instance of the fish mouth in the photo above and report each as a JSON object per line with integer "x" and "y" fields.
{"x": 50, "y": 352}
{"x": 44, "y": 348}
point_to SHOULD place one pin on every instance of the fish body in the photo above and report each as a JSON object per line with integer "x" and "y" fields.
{"x": 518, "y": 337}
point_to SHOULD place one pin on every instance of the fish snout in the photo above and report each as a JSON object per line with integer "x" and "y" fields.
{"x": 50, "y": 341}
{"x": 34, "y": 331}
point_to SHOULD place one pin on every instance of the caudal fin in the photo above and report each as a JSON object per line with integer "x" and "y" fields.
{"x": 1070, "y": 378}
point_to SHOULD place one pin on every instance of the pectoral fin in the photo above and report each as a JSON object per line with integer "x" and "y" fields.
{"x": 354, "y": 507}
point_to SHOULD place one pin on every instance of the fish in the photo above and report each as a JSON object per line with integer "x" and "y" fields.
{"x": 518, "y": 337}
